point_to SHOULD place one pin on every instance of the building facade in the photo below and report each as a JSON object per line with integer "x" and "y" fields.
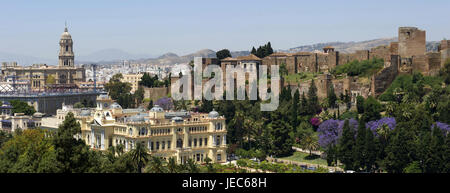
{"x": 182, "y": 135}
{"x": 133, "y": 79}
{"x": 40, "y": 76}
{"x": 10, "y": 122}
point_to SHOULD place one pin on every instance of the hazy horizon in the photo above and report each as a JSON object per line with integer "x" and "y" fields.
{"x": 181, "y": 27}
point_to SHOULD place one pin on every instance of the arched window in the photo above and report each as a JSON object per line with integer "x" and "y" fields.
{"x": 67, "y": 48}
{"x": 130, "y": 132}
{"x": 195, "y": 142}
{"x": 143, "y": 131}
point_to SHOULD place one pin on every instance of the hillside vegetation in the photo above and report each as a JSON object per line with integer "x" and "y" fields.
{"x": 359, "y": 68}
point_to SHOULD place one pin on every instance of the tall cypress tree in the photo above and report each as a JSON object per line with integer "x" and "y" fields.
{"x": 346, "y": 144}
{"x": 280, "y": 133}
{"x": 295, "y": 109}
{"x": 260, "y": 52}
{"x": 313, "y": 100}
{"x": 360, "y": 154}
{"x": 332, "y": 98}
{"x": 269, "y": 49}
{"x": 303, "y": 110}
{"x": 253, "y": 51}
{"x": 400, "y": 151}
{"x": 371, "y": 151}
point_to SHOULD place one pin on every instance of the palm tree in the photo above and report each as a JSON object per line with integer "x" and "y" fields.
{"x": 111, "y": 154}
{"x": 192, "y": 166}
{"x": 309, "y": 141}
{"x": 209, "y": 165}
{"x": 172, "y": 165}
{"x": 156, "y": 165}
{"x": 119, "y": 149}
{"x": 139, "y": 155}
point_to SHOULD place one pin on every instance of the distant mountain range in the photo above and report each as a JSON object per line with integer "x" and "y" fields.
{"x": 344, "y": 47}
{"x": 350, "y": 47}
{"x": 25, "y": 59}
{"x": 171, "y": 58}
{"x": 108, "y": 56}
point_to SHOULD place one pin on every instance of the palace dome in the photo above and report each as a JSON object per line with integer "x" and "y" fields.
{"x": 177, "y": 119}
{"x": 137, "y": 118}
{"x": 213, "y": 114}
{"x": 157, "y": 108}
{"x": 115, "y": 106}
{"x": 85, "y": 112}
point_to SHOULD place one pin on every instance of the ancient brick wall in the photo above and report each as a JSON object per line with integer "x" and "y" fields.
{"x": 333, "y": 58}
{"x": 382, "y": 52}
{"x": 445, "y": 44}
{"x": 359, "y": 55}
{"x": 291, "y": 64}
{"x": 339, "y": 86}
{"x": 384, "y": 78}
{"x": 433, "y": 59}
{"x": 393, "y": 48}
{"x": 322, "y": 83}
{"x": 344, "y": 58}
{"x": 155, "y": 93}
{"x": 445, "y": 55}
{"x": 444, "y": 49}
{"x": 306, "y": 62}
{"x": 322, "y": 62}
{"x": 419, "y": 64}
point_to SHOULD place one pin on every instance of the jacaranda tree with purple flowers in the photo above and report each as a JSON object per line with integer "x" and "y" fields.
{"x": 378, "y": 127}
{"x": 165, "y": 103}
{"x": 330, "y": 131}
{"x": 443, "y": 126}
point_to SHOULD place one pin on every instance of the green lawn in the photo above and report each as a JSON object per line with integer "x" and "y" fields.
{"x": 302, "y": 157}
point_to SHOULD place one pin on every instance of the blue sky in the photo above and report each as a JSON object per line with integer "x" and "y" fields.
{"x": 156, "y": 27}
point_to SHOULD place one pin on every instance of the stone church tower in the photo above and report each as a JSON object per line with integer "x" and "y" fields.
{"x": 66, "y": 56}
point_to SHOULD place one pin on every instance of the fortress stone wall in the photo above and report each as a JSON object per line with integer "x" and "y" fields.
{"x": 403, "y": 57}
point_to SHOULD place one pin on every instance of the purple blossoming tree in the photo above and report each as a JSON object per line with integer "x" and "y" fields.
{"x": 331, "y": 130}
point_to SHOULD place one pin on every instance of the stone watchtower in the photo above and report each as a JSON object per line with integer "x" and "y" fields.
{"x": 412, "y": 49}
{"x": 411, "y": 42}
{"x": 66, "y": 56}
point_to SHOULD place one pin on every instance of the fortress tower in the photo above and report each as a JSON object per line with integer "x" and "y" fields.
{"x": 411, "y": 42}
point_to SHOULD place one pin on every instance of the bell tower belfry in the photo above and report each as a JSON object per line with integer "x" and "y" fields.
{"x": 66, "y": 56}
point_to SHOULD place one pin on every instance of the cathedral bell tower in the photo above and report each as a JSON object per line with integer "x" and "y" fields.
{"x": 66, "y": 56}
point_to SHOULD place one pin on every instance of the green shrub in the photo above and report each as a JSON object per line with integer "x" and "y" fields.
{"x": 359, "y": 68}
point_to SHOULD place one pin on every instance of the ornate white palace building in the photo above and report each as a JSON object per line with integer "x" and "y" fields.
{"x": 183, "y": 135}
